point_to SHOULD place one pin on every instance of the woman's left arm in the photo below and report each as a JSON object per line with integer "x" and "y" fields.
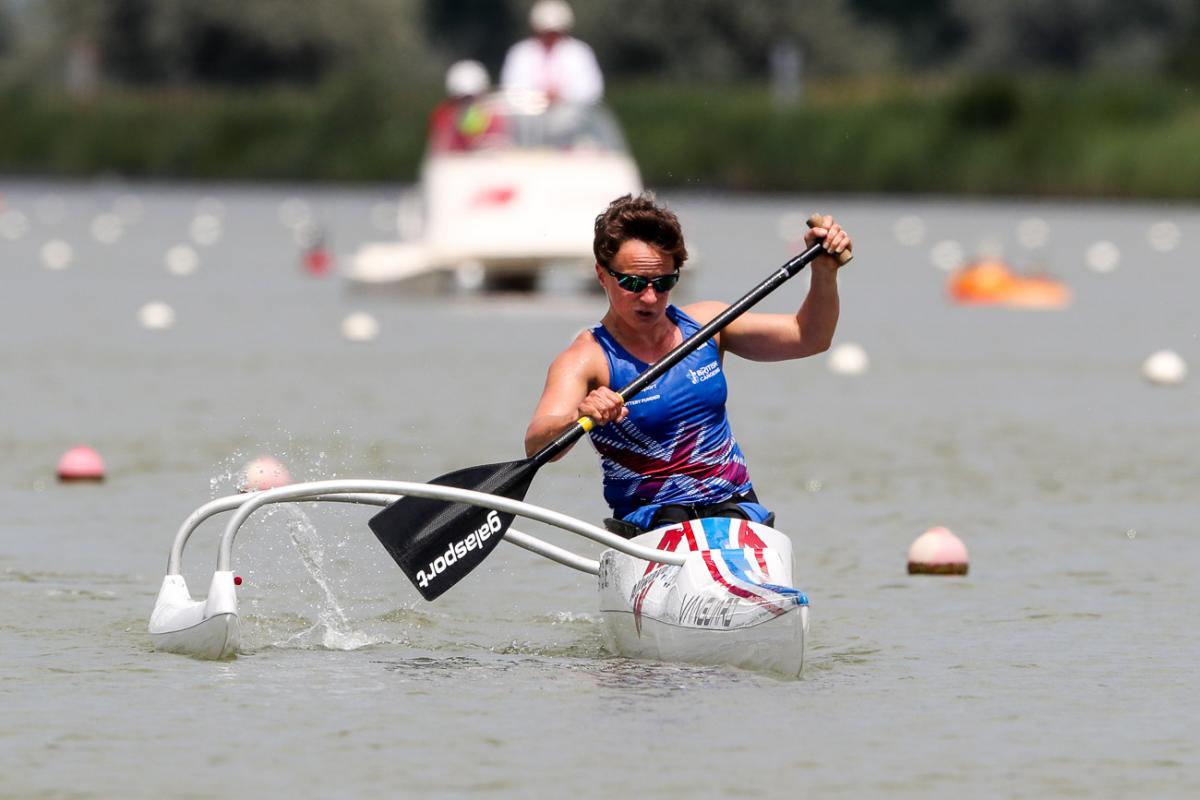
{"x": 779, "y": 337}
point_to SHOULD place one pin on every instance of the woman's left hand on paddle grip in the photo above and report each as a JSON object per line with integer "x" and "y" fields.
{"x": 832, "y": 236}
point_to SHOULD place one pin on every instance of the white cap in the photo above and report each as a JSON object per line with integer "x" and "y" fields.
{"x": 466, "y": 78}
{"x": 551, "y": 16}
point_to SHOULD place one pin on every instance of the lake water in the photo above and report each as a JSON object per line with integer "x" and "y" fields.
{"x": 1063, "y": 665}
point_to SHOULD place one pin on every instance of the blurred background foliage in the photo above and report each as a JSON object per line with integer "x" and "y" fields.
{"x": 1070, "y": 97}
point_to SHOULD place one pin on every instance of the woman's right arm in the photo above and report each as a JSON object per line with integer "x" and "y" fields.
{"x": 575, "y": 387}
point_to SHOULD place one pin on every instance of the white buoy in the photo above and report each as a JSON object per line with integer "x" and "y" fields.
{"x": 909, "y": 230}
{"x": 1163, "y": 236}
{"x": 1033, "y": 232}
{"x": 937, "y": 552}
{"x": 360, "y": 327}
{"x": 156, "y": 316}
{"x": 307, "y": 234}
{"x": 182, "y": 259}
{"x": 13, "y": 224}
{"x": 57, "y": 254}
{"x": 947, "y": 255}
{"x": 206, "y": 229}
{"x": 848, "y": 359}
{"x": 1103, "y": 257}
{"x": 1165, "y": 368}
{"x": 107, "y": 228}
{"x": 294, "y": 212}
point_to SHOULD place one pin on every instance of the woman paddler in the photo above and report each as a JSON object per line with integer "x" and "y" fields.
{"x": 668, "y": 454}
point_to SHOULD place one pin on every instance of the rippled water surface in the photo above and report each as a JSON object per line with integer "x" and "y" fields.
{"x": 1063, "y": 665}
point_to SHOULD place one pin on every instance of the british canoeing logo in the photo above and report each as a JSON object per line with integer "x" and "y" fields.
{"x": 472, "y": 541}
{"x": 704, "y": 373}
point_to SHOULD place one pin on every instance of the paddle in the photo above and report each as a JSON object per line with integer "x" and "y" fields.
{"x": 437, "y": 542}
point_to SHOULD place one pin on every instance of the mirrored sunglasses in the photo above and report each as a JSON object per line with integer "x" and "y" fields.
{"x": 637, "y": 284}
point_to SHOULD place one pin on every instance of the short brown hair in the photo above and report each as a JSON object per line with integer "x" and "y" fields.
{"x": 638, "y": 218}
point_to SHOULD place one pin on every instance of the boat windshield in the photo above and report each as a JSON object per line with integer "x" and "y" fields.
{"x": 526, "y": 121}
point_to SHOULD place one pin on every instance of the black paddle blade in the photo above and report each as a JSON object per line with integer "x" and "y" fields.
{"x": 437, "y": 542}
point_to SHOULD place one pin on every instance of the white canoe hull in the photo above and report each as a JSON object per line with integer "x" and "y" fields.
{"x": 731, "y": 602}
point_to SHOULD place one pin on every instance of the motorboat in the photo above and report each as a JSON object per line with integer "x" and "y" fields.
{"x": 497, "y": 214}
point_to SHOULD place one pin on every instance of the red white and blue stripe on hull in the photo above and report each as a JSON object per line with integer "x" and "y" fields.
{"x": 731, "y": 602}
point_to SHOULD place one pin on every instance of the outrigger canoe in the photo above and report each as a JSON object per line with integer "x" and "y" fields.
{"x": 712, "y": 591}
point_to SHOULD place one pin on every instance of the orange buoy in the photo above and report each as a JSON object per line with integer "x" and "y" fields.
{"x": 981, "y": 282}
{"x": 1038, "y": 292}
{"x": 991, "y": 282}
{"x": 80, "y": 463}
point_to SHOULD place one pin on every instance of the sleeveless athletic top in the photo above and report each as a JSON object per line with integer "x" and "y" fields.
{"x": 675, "y": 446}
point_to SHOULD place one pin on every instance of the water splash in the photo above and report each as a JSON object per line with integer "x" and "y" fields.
{"x": 333, "y": 629}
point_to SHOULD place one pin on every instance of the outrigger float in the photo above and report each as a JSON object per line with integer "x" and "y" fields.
{"x": 710, "y": 591}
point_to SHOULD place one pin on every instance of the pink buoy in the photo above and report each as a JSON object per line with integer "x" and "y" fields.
{"x": 264, "y": 473}
{"x": 80, "y": 463}
{"x": 317, "y": 260}
{"x": 937, "y": 551}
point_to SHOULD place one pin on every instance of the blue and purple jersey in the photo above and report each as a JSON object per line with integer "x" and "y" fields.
{"x": 675, "y": 446}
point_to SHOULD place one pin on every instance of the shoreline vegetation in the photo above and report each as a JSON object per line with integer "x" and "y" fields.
{"x": 1034, "y": 136}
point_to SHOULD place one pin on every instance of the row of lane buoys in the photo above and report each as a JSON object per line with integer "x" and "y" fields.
{"x": 1162, "y": 368}
{"x": 205, "y": 228}
{"x": 1032, "y": 233}
{"x": 935, "y": 552}
{"x": 109, "y": 227}
{"x": 358, "y": 326}
{"x": 83, "y": 464}
{"x": 987, "y": 280}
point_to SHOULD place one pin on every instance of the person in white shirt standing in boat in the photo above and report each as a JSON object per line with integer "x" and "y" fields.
{"x": 552, "y": 61}
{"x": 668, "y": 454}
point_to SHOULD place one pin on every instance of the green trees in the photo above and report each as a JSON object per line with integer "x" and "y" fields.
{"x": 1088, "y": 97}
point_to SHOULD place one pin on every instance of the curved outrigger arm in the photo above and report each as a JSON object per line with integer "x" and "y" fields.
{"x": 467, "y": 496}
{"x": 382, "y": 493}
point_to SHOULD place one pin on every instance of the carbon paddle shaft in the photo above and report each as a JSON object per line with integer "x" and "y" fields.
{"x": 714, "y": 326}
